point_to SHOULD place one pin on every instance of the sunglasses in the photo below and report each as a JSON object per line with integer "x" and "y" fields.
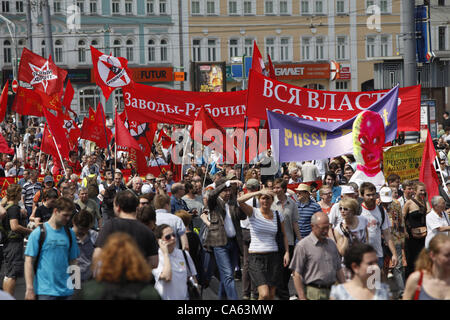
{"x": 345, "y": 209}
{"x": 143, "y": 203}
{"x": 167, "y": 237}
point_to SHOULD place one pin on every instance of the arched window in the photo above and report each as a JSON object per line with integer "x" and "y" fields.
{"x": 7, "y": 51}
{"x": 94, "y": 43}
{"x": 130, "y": 50}
{"x": 58, "y": 51}
{"x": 164, "y": 50}
{"x": 151, "y": 50}
{"x": 117, "y": 50}
{"x": 81, "y": 51}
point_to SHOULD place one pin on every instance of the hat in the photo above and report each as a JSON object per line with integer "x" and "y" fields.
{"x": 347, "y": 190}
{"x": 48, "y": 179}
{"x": 232, "y": 176}
{"x": 146, "y": 188}
{"x": 42, "y": 125}
{"x": 303, "y": 187}
{"x": 252, "y": 183}
{"x": 386, "y": 194}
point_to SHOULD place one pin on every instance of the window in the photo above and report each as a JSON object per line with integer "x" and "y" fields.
{"x": 196, "y": 50}
{"x": 304, "y": 9}
{"x": 212, "y": 50}
{"x": 248, "y": 7}
{"x": 270, "y": 47}
{"x": 441, "y": 38}
{"x": 341, "y": 53}
{"x": 315, "y": 86}
{"x": 162, "y": 6}
{"x": 129, "y": 7}
{"x": 21, "y": 45}
{"x": 19, "y": 6}
{"x": 318, "y": 6}
{"x": 58, "y": 51}
{"x": 234, "y": 48}
{"x": 248, "y": 47}
{"x": 392, "y": 81}
{"x": 195, "y": 7}
{"x": 117, "y": 48}
{"x": 5, "y": 6}
{"x": 164, "y": 50}
{"x": 232, "y": 7}
{"x": 441, "y": 3}
{"x": 118, "y": 99}
{"x": 268, "y": 7}
{"x": 320, "y": 49}
{"x": 384, "y": 46}
{"x": 93, "y": 7}
{"x": 80, "y": 5}
{"x": 57, "y": 6}
{"x": 284, "y": 8}
{"x": 86, "y": 99}
{"x": 341, "y": 85}
{"x": 115, "y": 7}
{"x": 284, "y": 49}
{"x": 43, "y": 51}
{"x": 384, "y": 6}
{"x": 370, "y": 46}
{"x": 81, "y": 51}
{"x": 130, "y": 50}
{"x": 340, "y": 6}
{"x": 7, "y": 51}
{"x": 306, "y": 48}
{"x": 150, "y": 7}
{"x": 151, "y": 50}
{"x": 210, "y": 7}
{"x": 370, "y": 3}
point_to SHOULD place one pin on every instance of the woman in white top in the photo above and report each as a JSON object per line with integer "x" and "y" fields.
{"x": 265, "y": 260}
{"x": 172, "y": 274}
{"x": 352, "y": 229}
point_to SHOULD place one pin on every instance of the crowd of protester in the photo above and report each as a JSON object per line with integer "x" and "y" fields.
{"x": 151, "y": 237}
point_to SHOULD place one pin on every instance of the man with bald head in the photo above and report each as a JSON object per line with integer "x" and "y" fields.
{"x": 137, "y": 186}
{"x": 316, "y": 262}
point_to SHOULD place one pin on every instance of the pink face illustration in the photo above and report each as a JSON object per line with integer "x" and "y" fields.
{"x": 368, "y": 141}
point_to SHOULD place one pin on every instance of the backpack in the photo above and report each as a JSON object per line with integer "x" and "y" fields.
{"x": 92, "y": 186}
{"x": 42, "y": 237}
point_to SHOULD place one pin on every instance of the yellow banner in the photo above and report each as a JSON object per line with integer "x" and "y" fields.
{"x": 403, "y": 160}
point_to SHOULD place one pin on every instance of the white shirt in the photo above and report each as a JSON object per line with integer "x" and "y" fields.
{"x": 335, "y": 215}
{"x": 359, "y": 177}
{"x": 228, "y": 223}
{"x": 374, "y": 222}
{"x": 263, "y": 232}
{"x": 359, "y": 233}
{"x": 246, "y": 223}
{"x": 176, "y": 289}
{"x": 433, "y": 223}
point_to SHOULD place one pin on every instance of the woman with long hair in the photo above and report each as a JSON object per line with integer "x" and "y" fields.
{"x": 414, "y": 214}
{"x": 431, "y": 280}
{"x": 120, "y": 273}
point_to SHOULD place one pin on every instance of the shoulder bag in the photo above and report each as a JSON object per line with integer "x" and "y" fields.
{"x": 279, "y": 236}
{"x": 193, "y": 292}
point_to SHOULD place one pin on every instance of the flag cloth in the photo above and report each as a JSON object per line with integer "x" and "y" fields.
{"x": 271, "y": 68}
{"x": 31, "y": 102}
{"x": 73, "y": 133}
{"x": 123, "y": 136}
{"x": 4, "y": 148}
{"x": 164, "y": 139}
{"x": 101, "y": 120}
{"x": 91, "y": 114}
{"x": 258, "y": 62}
{"x": 95, "y": 130}
{"x": 296, "y": 139}
{"x": 48, "y": 145}
{"x": 109, "y": 72}
{"x": 4, "y": 101}
{"x": 428, "y": 173}
{"x": 40, "y": 74}
{"x": 56, "y": 128}
{"x": 68, "y": 96}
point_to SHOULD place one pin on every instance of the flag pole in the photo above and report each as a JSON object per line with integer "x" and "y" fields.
{"x": 104, "y": 126}
{"x": 182, "y": 159}
{"x": 243, "y": 149}
{"x": 57, "y": 149}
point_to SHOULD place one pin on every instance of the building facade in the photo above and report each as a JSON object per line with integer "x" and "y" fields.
{"x": 145, "y": 32}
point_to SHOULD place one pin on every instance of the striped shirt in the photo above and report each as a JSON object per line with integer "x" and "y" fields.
{"x": 263, "y": 232}
{"x": 28, "y": 191}
{"x": 305, "y": 212}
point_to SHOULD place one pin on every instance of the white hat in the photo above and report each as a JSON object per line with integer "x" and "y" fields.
{"x": 386, "y": 194}
{"x": 146, "y": 188}
{"x": 347, "y": 190}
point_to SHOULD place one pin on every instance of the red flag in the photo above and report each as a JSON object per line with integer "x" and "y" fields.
{"x": 48, "y": 145}
{"x": 91, "y": 114}
{"x": 4, "y": 148}
{"x": 257, "y": 61}
{"x": 123, "y": 136}
{"x": 4, "y": 101}
{"x": 95, "y": 130}
{"x": 56, "y": 127}
{"x": 72, "y": 131}
{"x": 101, "y": 119}
{"x": 40, "y": 74}
{"x": 271, "y": 68}
{"x": 165, "y": 140}
{"x": 68, "y": 96}
{"x": 428, "y": 173}
{"x": 110, "y": 72}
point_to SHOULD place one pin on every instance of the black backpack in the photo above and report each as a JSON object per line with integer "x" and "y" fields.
{"x": 42, "y": 237}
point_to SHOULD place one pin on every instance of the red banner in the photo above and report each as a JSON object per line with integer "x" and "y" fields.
{"x": 319, "y": 105}
{"x": 151, "y": 104}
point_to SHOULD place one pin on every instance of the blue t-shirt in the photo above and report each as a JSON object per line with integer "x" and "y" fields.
{"x": 52, "y": 275}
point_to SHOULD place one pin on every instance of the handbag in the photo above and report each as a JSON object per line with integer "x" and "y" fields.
{"x": 193, "y": 292}
{"x": 279, "y": 236}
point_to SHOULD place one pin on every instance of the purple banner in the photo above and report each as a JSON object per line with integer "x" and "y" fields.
{"x": 295, "y": 139}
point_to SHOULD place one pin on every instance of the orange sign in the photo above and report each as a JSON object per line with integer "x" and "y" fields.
{"x": 302, "y": 71}
{"x": 148, "y": 74}
{"x": 179, "y": 76}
